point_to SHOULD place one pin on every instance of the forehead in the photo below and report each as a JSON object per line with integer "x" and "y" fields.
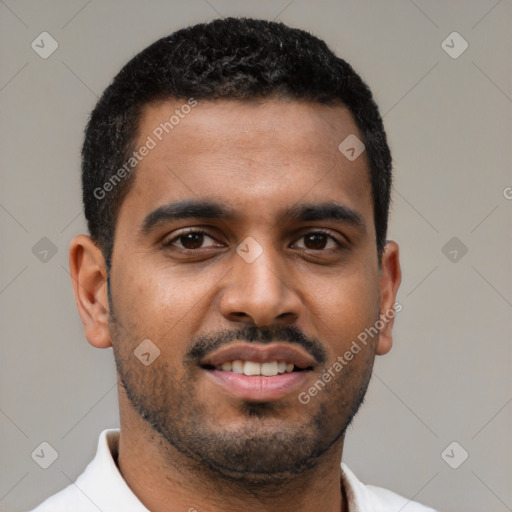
{"x": 246, "y": 154}
{"x": 255, "y": 125}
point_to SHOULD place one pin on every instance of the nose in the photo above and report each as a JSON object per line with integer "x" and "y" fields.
{"x": 260, "y": 292}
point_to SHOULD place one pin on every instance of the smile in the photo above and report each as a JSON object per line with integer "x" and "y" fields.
{"x": 268, "y": 369}
{"x": 256, "y": 372}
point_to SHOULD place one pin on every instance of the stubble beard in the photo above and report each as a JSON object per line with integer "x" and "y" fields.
{"x": 262, "y": 450}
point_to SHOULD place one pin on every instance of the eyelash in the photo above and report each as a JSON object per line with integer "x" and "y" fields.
{"x": 185, "y": 233}
{"x": 169, "y": 243}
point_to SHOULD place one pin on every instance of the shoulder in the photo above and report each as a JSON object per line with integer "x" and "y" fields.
{"x": 383, "y": 499}
{"x": 63, "y": 500}
{"x": 370, "y": 498}
{"x": 93, "y": 489}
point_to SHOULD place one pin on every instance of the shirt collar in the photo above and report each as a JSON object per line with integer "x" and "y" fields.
{"x": 102, "y": 481}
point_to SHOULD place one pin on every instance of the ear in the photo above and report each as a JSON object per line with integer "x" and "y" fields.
{"x": 389, "y": 281}
{"x": 89, "y": 275}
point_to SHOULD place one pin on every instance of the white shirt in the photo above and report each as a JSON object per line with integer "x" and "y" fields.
{"x": 102, "y": 488}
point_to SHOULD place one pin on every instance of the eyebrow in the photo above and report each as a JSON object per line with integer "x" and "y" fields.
{"x": 207, "y": 209}
{"x": 325, "y": 211}
{"x": 186, "y": 209}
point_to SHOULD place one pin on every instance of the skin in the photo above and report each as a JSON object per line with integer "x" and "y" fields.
{"x": 258, "y": 157}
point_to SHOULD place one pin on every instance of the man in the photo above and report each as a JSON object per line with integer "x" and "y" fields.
{"x": 236, "y": 181}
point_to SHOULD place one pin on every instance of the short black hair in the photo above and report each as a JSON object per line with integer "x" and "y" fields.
{"x": 231, "y": 58}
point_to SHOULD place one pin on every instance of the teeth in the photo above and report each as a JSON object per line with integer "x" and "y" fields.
{"x": 251, "y": 368}
{"x": 237, "y": 366}
{"x": 268, "y": 369}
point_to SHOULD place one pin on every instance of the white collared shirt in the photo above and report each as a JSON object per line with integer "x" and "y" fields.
{"x": 102, "y": 488}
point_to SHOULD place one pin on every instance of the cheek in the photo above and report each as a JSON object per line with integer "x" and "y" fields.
{"x": 161, "y": 302}
{"x": 344, "y": 308}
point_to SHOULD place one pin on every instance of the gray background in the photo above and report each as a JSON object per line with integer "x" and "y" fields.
{"x": 449, "y": 122}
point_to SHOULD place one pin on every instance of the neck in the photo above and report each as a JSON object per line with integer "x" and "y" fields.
{"x": 165, "y": 480}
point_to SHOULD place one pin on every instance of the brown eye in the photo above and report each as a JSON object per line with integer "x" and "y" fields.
{"x": 315, "y": 241}
{"x": 190, "y": 240}
{"x": 318, "y": 241}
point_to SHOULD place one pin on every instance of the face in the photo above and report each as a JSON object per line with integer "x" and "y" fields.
{"x": 246, "y": 252}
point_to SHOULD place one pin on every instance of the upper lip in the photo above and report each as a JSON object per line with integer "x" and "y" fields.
{"x": 260, "y": 353}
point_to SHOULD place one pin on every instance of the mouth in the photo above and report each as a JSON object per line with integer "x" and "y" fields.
{"x": 253, "y": 368}
{"x": 256, "y": 372}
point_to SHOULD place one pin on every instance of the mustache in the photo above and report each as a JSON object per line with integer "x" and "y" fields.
{"x": 202, "y": 345}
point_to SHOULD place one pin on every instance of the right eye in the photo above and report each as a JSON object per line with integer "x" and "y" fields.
{"x": 191, "y": 239}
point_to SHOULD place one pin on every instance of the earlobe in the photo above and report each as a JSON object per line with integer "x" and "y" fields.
{"x": 89, "y": 276}
{"x": 390, "y": 278}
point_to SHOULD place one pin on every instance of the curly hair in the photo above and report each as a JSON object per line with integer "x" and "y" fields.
{"x": 231, "y": 58}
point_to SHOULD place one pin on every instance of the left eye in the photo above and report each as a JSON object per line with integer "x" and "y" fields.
{"x": 318, "y": 241}
{"x": 189, "y": 240}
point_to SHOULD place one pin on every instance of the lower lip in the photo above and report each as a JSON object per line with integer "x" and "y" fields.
{"x": 258, "y": 388}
